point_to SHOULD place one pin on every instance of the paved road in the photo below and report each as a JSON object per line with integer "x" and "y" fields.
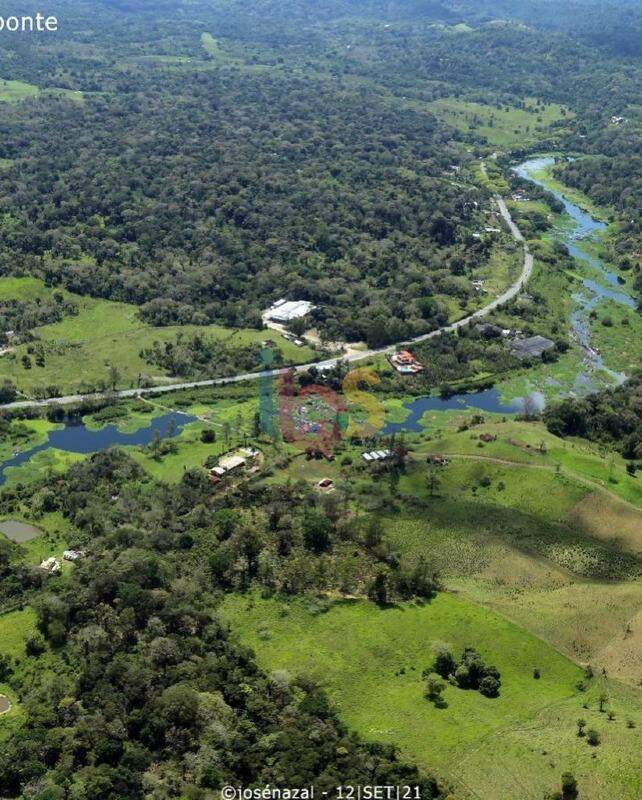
{"x": 363, "y": 355}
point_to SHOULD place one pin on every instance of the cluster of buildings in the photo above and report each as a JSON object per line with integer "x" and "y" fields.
{"x": 406, "y": 363}
{"x": 522, "y": 347}
{"x": 489, "y": 229}
{"x": 53, "y": 565}
{"x": 229, "y": 465}
{"x": 285, "y": 311}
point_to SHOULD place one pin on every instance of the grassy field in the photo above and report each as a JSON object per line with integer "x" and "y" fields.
{"x": 505, "y": 127}
{"x": 620, "y": 344}
{"x": 14, "y": 91}
{"x": 501, "y": 270}
{"x": 531, "y": 443}
{"x": 552, "y": 548}
{"x": 80, "y": 349}
{"x": 23, "y": 435}
{"x": 15, "y": 627}
{"x": 515, "y": 746}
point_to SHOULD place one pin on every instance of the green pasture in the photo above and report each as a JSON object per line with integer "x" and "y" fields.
{"x": 81, "y": 349}
{"x": 505, "y": 126}
{"x": 370, "y": 661}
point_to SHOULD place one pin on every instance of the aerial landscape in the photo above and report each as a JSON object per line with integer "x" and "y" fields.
{"x": 321, "y": 400}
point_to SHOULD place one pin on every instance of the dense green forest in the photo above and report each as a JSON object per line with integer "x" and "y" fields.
{"x": 613, "y": 417}
{"x": 284, "y": 156}
{"x": 146, "y": 694}
{"x": 200, "y": 159}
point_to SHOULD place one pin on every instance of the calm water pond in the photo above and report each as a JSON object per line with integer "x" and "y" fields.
{"x": 75, "y": 437}
{"x": 486, "y": 400}
{"x": 19, "y": 531}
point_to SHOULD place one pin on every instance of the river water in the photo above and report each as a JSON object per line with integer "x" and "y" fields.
{"x": 75, "y": 437}
{"x": 583, "y": 230}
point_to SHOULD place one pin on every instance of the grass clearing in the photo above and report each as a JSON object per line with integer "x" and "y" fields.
{"x": 43, "y": 465}
{"x": 15, "y": 91}
{"x": 619, "y": 341}
{"x": 370, "y": 660}
{"x": 23, "y": 435}
{"x": 79, "y": 350}
{"x": 531, "y": 443}
{"x": 15, "y": 627}
{"x": 503, "y": 126}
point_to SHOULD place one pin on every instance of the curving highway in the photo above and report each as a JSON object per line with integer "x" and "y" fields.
{"x": 503, "y": 298}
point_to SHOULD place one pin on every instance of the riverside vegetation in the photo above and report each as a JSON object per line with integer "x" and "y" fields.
{"x": 462, "y": 616}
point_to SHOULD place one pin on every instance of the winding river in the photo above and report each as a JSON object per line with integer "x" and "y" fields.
{"x": 581, "y": 229}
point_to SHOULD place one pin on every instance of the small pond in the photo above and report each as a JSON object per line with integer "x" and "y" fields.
{"x": 5, "y": 704}
{"x": 19, "y": 531}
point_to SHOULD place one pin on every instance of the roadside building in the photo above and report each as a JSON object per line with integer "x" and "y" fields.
{"x": 406, "y": 363}
{"x": 284, "y": 311}
{"x": 533, "y": 347}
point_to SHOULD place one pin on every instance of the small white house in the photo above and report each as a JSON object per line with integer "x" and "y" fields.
{"x": 231, "y": 463}
{"x": 52, "y": 565}
{"x": 72, "y": 555}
